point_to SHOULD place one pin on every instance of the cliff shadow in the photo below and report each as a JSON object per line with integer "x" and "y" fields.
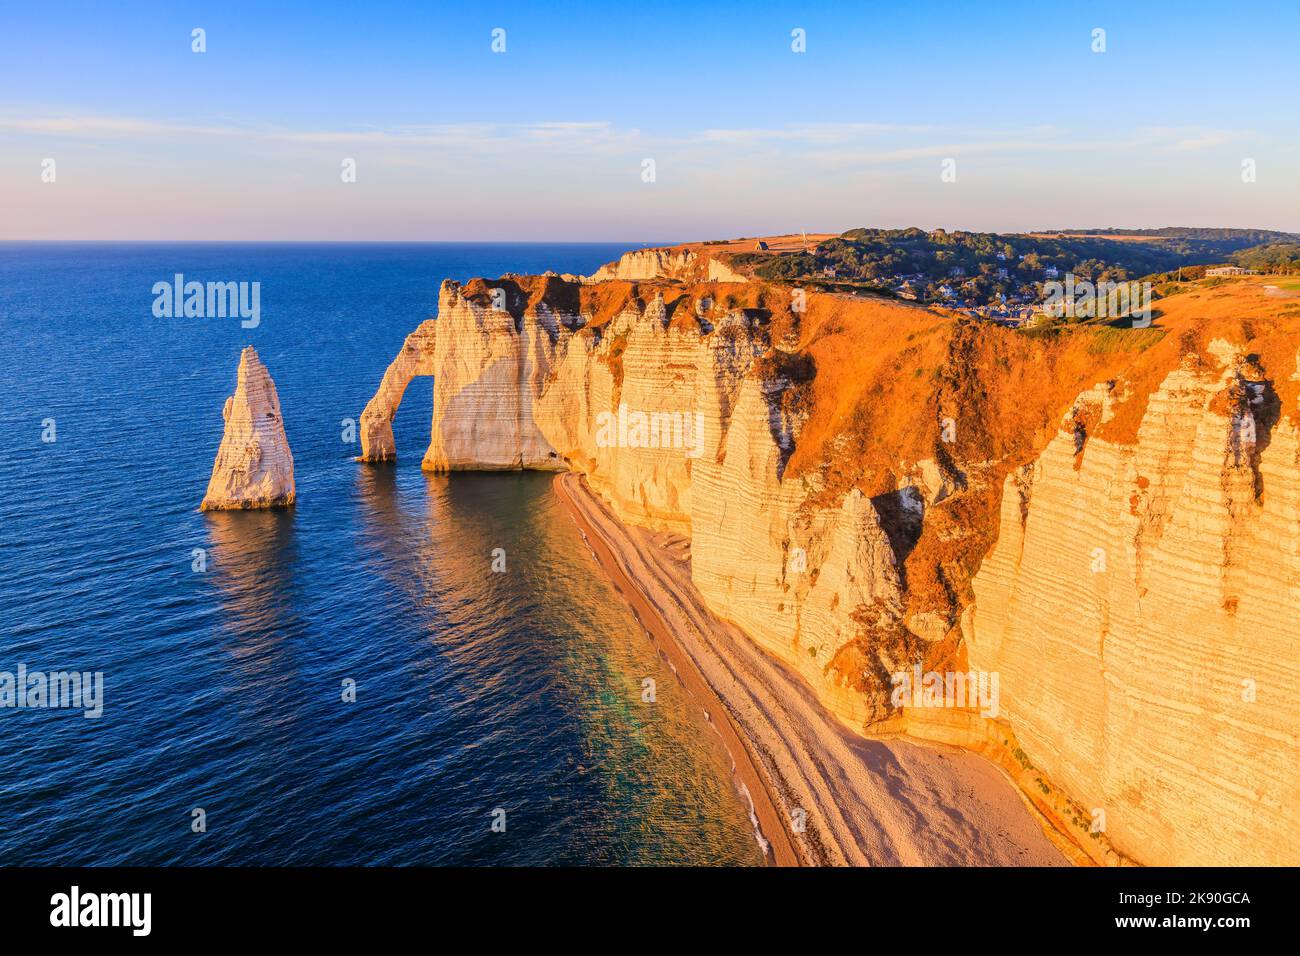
{"x": 1265, "y": 407}
{"x": 901, "y": 515}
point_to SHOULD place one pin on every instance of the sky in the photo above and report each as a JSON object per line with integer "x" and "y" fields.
{"x": 639, "y": 121}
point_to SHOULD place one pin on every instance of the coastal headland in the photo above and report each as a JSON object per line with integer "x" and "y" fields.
{"x": 1079, "y": 536}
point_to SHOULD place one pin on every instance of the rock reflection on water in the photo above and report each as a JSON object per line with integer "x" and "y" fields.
{"x": 252, "y": 556}
{"x": 253, "y": 560}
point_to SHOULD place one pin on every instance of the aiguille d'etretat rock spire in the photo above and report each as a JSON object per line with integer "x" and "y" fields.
{"x": 254, "y": 467}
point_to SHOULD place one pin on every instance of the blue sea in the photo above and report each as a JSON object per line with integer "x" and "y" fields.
{"x": 480, "y": 698}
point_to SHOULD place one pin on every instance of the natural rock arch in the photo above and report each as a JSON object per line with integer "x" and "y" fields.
{"x": 489, "y": 366}
{"x": 416, "y": 358}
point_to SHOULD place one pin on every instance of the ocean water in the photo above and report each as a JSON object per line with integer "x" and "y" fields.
{"x": 223, "y": 688}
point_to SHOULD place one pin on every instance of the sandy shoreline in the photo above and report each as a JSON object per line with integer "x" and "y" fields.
{"x": 763, "y": 810}
{"x": 821, "y": 795}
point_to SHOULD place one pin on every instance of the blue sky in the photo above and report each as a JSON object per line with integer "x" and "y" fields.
{"x": 547, "y": 140}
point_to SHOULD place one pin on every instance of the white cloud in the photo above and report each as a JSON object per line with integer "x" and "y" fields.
{"x": 112, "y": 128}
{"x": 869, "y": 143}
{"x": 582, "y": 178}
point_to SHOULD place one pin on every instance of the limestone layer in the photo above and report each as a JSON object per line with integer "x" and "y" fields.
{"x": 1139, "y": 606}
{"x": 868, "y": 488}
{"x": 253, "y": 467}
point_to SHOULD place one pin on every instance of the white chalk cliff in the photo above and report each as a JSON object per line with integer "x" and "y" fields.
{"x": 253, "y": 467}
{"x": 1139, "y": 605}
{"x": 667, "y": 263}
{"x": 807, "y": 458}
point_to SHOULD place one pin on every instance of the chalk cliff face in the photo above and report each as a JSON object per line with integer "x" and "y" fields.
{"x": 1139, "y": 605}
{"x": 667, "y": 263}
{"x": 253, "y": 468}
{"x": 868, "y": 487}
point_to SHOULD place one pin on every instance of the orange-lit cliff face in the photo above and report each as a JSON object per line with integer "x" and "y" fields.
{"x": 867, "y": 486}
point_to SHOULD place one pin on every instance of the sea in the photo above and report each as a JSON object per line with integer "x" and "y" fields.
{"x": 345, "y": 682}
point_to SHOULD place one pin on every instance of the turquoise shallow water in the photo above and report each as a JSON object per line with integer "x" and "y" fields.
{"x": 222, "y": 689}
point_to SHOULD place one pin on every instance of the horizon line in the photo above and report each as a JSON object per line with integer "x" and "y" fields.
{"x": 643, "y": 243}
{"x": 361, "y": 242}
